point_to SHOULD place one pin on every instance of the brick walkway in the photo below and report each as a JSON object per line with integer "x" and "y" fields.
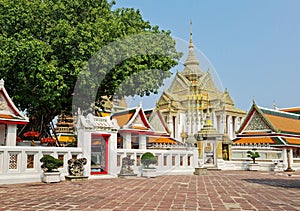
{"x": 219, "y": 190}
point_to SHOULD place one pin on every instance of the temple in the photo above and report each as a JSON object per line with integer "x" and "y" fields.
{"x": 274, "y": 133}
{"x": 193, "y": 95}
{"x": 10, "y": 117}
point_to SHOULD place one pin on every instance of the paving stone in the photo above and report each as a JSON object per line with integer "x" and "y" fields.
{"x": 219, "y": 190}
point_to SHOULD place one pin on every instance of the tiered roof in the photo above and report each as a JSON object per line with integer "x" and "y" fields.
{"x": 9, "y": 113}
{"x": 270, "y": 126}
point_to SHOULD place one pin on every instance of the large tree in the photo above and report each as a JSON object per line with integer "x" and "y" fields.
{"x": 44, "y": 45}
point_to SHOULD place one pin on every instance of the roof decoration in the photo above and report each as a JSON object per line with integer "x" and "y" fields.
{"x": 191, "y": 64}
{"x": 134, "y": 118}
{"x": 9, "y": 113}
{"x": 269, "y": 126}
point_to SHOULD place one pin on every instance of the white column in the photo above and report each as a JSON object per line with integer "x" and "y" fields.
{"x": 112, "y": 154}
{"x": 126, "y": 140}
{"x": 231, "y": 129}
{"x": 11, "y": 136}
{"x": 222, "y": 123}
{"x": 284, "y": 158}
{"x": 142, "y": 141}
{"x": 291, "y": 157}
{"x": 84, "y": 142}
{"x": 2, "y": 135}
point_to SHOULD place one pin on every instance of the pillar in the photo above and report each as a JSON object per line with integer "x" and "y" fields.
{"x": 11, "y": 136}
{"x": 126, "y": 140}
{"x": 142, "y": 141}
{"x": 290, "y": 160}
{"x": 284, "y": 158}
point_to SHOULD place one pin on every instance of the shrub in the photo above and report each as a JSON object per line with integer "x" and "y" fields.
{"x": 147, "y": 159}
{"x": 50, "y": 163}
{"x": 253, "y": 154}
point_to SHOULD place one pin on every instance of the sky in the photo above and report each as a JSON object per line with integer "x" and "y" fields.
{"x": 253, "y": 45}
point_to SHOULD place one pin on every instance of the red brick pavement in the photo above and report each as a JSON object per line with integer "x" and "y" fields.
{"x": 219, "y": 190}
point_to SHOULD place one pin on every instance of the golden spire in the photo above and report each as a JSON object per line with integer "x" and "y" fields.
{"x": 191, "y": 34}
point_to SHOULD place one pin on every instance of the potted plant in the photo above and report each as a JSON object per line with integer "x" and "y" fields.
{"x": 147, "y": 159}
{"x": 253, "y": 155}
{"x": 50, "y": 167}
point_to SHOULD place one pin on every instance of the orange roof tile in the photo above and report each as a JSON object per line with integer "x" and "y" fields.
{"x": 293, "y": 140}
{"x": 123, "y": 118}
{"x": 161, "y": 140}
{"x": 293, "y": 110}
{"x": 139, "y": 127}
{"x": 255, "y": 140}
{"x": 6, "y": 116}
{"x": 284, "y": 124}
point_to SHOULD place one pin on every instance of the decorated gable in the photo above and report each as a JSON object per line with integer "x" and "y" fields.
{"x": 179, "y": 84}
{"x": 9, "y": 113}
{"x": 139, "y": 124}
{"x": 257, "y": 123}
{"x": 158, "y": 123}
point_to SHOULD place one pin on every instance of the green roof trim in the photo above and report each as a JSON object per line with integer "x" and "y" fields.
{"x": 278, "y": 141}
{"x": 280, "y": 113}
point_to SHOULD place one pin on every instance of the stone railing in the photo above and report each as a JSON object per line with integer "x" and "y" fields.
{"x": 22, "y": 164}
{"x": 169, "y": 162}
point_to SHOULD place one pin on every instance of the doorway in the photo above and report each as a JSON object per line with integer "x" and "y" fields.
{"x": 99, "y": 153}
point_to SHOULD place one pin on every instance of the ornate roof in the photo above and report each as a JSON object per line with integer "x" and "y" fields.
{"x": 269, "y": 126}
{"x": 191, "y": 63}
{"x": 134, "y": 118}
{"x": 9, "y": 113}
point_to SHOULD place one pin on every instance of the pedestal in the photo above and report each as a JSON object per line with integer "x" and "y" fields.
{"x": 200, "y": 171}
{"x": 49, "y": 177}
{"x": 76, "y": 178}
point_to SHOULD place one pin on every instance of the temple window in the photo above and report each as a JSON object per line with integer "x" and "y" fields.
{"x": 61, "y": 157}
{"x": 30, "y": 161}
{"x": 296, "y": 152}
{"x": 165, "y": 160}
{"x": 13, "y": 161}
{"x": 173, "y": 160}
{"x": 138, "y": 160}
{"x": 74, "y": 156}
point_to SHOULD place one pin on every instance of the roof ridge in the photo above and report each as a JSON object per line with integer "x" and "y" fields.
{"x": 279, "y": 113}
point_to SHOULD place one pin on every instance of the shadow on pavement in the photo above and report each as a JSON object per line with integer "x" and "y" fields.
{"x": 276, "y": 182}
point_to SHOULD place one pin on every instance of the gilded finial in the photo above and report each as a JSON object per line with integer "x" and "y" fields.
{"x": 191, "y": 30}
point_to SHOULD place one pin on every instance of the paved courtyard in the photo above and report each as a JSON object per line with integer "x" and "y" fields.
{"x": 219, "y": 190}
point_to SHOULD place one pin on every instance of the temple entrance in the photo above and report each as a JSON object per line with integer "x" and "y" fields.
{"x": 99, "y": 153}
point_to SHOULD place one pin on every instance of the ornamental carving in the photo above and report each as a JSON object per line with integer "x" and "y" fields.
{"x": 257, "y": 123}
{"x": 76, "y": 166}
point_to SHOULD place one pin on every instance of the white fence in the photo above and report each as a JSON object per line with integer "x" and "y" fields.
{"x": 22, "y": 164}
{"x": 270, "y": 158}
{"x": 169, "y": 162}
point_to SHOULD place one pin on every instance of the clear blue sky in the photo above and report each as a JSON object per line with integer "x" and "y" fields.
{"x": 254, "y": 45}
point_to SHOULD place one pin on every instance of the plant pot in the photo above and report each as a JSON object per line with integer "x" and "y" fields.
{"x": 149, "y": 172}
{"x": 49, "y": 177}
{"x": 254, "y": 167}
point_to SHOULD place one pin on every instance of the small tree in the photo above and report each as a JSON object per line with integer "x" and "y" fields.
{"x": 50, "y": 163}
{"x": 253, "y": 155}
{"x": 147, "y": 159}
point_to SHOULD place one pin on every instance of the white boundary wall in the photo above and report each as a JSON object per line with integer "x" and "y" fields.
{"x": 14, "y": 167}
{"x": 169, "y": 162}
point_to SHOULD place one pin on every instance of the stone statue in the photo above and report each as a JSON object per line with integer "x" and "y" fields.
{"x": 76, "y": 166}
{"x": 126, "y": 169}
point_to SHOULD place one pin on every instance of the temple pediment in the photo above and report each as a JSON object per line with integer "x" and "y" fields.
{"x": 179, "y": 84}
{"x": 9, "y": 113}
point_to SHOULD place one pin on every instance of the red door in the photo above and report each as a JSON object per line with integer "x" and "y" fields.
{"x": 99, "y": 153}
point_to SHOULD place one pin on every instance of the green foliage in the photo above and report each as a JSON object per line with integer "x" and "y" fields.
{"x": 50, "y": 163}
{"x": 44, "y": 45}
{"x": 253, "y": 155}
{"x": 147, "y": 159}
